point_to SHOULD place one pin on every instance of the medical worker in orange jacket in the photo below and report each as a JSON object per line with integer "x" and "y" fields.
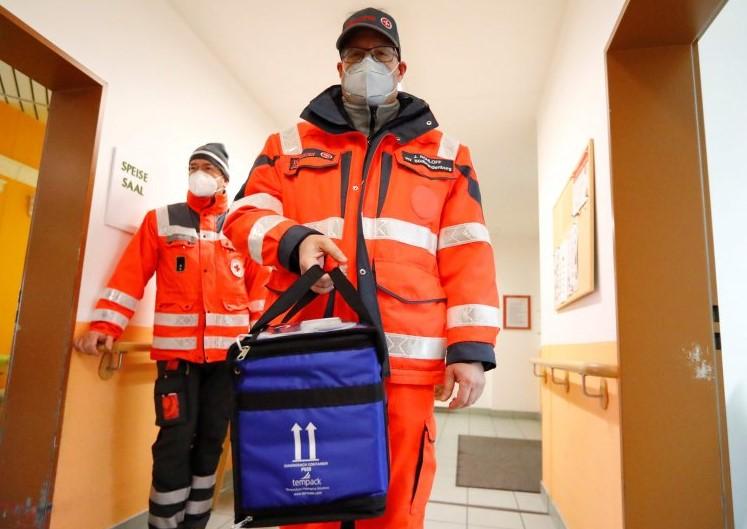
{"x": 201, "y": 306}
{"x": 369, "y": 181}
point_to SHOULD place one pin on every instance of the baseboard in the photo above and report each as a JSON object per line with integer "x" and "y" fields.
{"x": 138, "y": 521}
{"x": 508, "y": 414}
{"x": 553, "y": 511}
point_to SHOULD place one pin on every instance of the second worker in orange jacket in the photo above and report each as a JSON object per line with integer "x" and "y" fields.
{"x": 206, "y": 292}
{"x": 369, "y": 181}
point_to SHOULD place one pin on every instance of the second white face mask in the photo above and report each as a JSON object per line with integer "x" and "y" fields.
{"x": 369, "y": 81}
{"x": 202, "y": 184}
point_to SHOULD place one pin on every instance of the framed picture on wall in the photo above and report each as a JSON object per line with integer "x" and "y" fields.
{"x": 517, "y": 312}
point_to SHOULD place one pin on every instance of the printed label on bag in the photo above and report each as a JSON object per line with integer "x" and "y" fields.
{"x": 306, "y": 484}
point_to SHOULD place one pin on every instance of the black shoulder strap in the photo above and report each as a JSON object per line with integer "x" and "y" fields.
{"x": 348, "y": 524}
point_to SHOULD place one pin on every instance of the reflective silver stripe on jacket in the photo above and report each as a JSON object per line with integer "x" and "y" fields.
{"x": 257, "y": 235}
{"x": 165, "y": 229}
{"x": 110, "y": 316}
{"x": 260, "y": 201}
{"x": 400, "y": 231}
{"x": 257, "y": 305}
{"x": 179, "y": 232}
{"x": 473, "y": 315}
{"x": 227, "y": 320}
{"x": 174, "y": 344}
{"x": 171, "y": 522}
{"x": 162, "y": 220}
{"x": 203, "y": 482}
{"x": 290, "y": 140}
{"x": 120, "y": 298}
{"x": 169, "y": 498}
{"x": 331, "y": 226}
{"x": 417, "y": 347}
{"x": 219, "y": 342}
{"x": 463, "y": 234}
{"x": 198, "y": 507}
{"x": 176, "y": 320}
{"x": 448, "y": 147}
{"x": 207, "y": 235}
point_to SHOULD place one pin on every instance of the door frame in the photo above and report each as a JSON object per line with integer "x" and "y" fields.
{"x": 675, "y": 465}
{"x": 31, "y": 417}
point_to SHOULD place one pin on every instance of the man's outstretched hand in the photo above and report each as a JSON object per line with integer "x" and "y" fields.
{"x": 470, "y": 377}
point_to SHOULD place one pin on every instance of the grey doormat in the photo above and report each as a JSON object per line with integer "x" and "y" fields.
{"x": 497, "y": 463}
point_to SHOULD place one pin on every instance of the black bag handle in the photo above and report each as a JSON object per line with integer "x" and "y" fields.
{"x": 297, "y": 297}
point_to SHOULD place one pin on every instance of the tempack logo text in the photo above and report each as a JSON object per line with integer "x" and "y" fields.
{"x": 307, "y": 481}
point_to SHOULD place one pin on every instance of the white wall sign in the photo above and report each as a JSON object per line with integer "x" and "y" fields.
{"x": 132, "y": 188}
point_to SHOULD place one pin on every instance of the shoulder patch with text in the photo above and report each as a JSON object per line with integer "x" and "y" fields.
{"x": 310, "y": 153}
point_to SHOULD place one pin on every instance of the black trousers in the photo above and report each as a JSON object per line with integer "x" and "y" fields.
{"x": 193, "y": 406}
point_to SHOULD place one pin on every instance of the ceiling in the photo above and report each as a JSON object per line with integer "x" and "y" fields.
{"x": 479, "y": 63}
{"x": 20, "y": 91}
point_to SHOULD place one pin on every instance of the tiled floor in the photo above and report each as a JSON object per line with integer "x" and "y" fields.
{"x": 453, "y": 507}
{"x": 222, "y": 517}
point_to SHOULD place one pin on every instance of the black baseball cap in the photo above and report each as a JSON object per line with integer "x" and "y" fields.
{"x": 374, "y": 19}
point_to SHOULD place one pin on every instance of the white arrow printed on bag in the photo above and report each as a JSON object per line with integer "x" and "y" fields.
{"x": 296, "y": 429}
{"x": 311, "y": 429}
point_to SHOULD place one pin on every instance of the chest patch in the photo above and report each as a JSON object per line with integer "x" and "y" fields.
{"x": 237, "y": 267}
{"x": 434, "y": 164}
{"x": 425, "y": 203}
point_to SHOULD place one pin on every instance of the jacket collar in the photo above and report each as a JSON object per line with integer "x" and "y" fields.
{"x": 214, "y": 205}
{"x": 327, "y": 112}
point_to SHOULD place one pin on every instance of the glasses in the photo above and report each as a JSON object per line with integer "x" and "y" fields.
{"x": 385, "y": 54}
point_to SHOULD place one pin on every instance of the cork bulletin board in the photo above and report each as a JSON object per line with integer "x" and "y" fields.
{"x": 573, "y": 234}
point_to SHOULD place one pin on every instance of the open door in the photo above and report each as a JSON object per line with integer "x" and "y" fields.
{"x": 31, "y": 415}
{"x": 674, "y": 451}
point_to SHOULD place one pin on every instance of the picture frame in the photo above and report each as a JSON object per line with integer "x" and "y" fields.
{"x": 517, "y": 312}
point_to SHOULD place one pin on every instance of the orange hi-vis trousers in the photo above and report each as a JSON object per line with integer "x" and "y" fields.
{"x": 412, "y": 438}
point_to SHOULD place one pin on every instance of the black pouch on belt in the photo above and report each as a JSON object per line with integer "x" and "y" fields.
{"x": 170, "y": 393}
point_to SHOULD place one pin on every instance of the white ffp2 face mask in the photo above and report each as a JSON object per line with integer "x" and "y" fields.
{"x": 201, "y": 184}
{"x": 369, "y": 81}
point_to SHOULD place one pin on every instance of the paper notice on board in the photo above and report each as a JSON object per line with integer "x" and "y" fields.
{"x": 556, "y": 274}
{"x": 563, "y": 278}
{"x": 572, "y": 259}
{"x": 580, "y": 190}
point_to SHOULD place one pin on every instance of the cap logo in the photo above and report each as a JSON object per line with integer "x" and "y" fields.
{"x": 358, "y": 20}
{"x": 386, "y": 22}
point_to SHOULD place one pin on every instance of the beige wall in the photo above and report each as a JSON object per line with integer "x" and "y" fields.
{"x": 581, "y": 441}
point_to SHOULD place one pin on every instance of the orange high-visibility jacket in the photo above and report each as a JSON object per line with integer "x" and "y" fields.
{"x": 201, "y": 283}
{"x": 404, "y": 206}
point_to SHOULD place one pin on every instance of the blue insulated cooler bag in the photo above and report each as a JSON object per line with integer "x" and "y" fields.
{"x": 309, "y": 432}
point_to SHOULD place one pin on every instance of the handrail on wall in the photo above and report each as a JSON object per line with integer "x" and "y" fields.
{"x": 585, "y": 369}
{"x": 108, "y": 366}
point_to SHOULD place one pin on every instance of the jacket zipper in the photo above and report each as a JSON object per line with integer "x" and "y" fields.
{"x": 372, "y": 144}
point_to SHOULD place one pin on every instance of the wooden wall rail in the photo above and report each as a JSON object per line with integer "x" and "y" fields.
{"x": 540, "y": 368}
